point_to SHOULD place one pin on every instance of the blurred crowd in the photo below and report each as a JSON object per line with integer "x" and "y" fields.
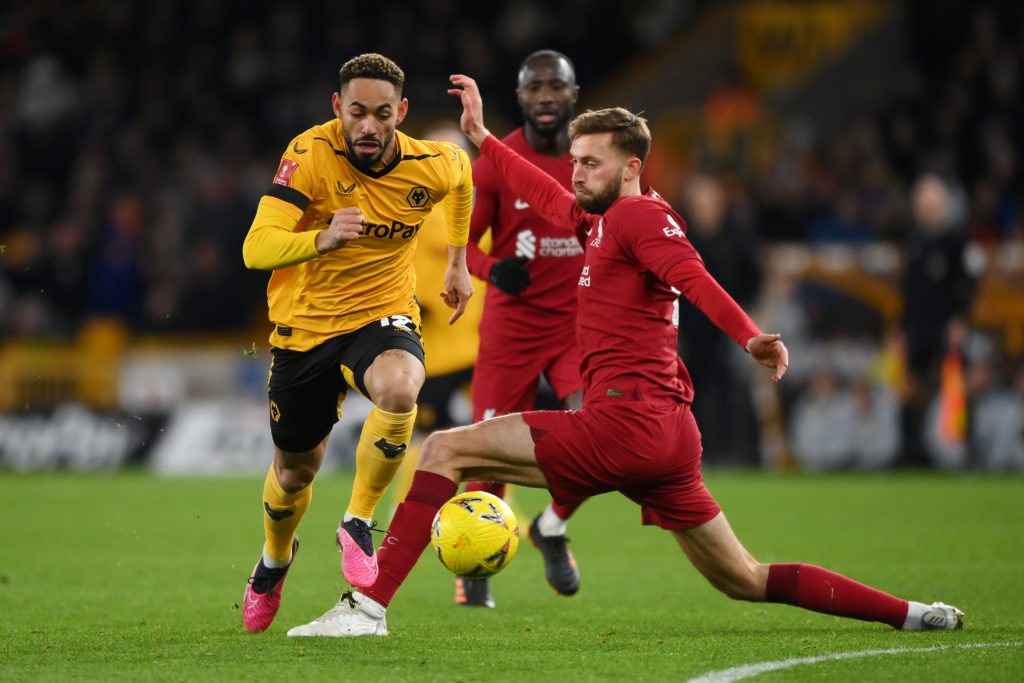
{"x": 935, "y": 176}
{"x": 138, "y": 138}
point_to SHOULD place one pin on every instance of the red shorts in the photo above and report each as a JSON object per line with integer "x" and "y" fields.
{"x": 649, "y": 454}
{"x": 512, "y": 388}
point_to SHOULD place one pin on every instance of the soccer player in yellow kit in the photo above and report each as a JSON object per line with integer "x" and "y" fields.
{"x": 338, "y": 229}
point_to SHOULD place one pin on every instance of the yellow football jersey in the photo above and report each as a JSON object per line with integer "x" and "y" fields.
{"x": 314, "y": 297}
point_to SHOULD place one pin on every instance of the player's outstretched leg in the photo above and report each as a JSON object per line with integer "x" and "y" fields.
{"x": 263, "y": 593}
{"x": 547, "y": 533}
{"x": 473, "y": 592}
{"x": 715, "y": 551}
{"x": 822, "y": 590}
{"x": 354, "y": 615}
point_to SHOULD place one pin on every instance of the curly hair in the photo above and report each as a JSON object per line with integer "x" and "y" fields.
{"x": 375, "y": 66}
{"x": 630, "y": 133}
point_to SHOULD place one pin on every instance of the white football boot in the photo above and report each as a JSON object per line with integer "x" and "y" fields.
{"x": 942, "y": 616}
{"x": 354, "y": 615}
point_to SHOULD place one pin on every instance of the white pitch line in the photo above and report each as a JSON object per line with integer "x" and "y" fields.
{"x": 737, "y": 673}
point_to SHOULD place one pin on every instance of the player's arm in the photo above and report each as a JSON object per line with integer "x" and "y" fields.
{"x": 657, "y": 238}
{"x": 457, "y": 284}
{"x": 691, "y": 278}
{"x": 272, "y": 241}
{"x": 544, "y": 193}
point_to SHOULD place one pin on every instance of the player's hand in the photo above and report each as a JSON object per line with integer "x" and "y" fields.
{"x": 472, "y": 120}
{"x": 769, "y": 351}
{"x": 346, "y": 225}
{"x": 458, "y": 289}
{"x": 510, "y": 275}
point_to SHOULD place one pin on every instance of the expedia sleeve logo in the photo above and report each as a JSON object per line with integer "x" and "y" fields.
{"x": 418, "y": 197}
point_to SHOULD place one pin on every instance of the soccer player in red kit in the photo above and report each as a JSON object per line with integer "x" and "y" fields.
{"x": 635, "y": 433}
{"x": 528, "y": 325}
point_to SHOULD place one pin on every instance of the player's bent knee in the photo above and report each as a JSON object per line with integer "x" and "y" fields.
{"x": 437, "y": 450}
{"x": 740, "y": 583}
{"x": 295, "y": 479}
{"x": 296, "y": 471}
{"x": 399, "y": 397}
{"x": 443, "y": 454}
{"x": 745, "y": 585}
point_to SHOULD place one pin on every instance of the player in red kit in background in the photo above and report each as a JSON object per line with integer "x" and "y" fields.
{"x": 528, "y": 325}
{"x": 635, "y": 433}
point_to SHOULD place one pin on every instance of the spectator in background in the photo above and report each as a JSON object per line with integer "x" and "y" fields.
{"x": 822, "y": 424}
{"x": 732, "y": 109}
{"x": 841, "y": 221}
{"x": 117, "y": 278}
{"x": 997, "y": 418}
{"x": 836, "y": 424}
{"x": 937, "y": 294}
{"x": 723, "y": 405}
{"x": 875, "y": 415}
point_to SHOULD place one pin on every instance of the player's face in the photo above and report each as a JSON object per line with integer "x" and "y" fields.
{"x": 369, "y": 110}
{"x": 598, "y": 171}
{"x": 547, "y": 92}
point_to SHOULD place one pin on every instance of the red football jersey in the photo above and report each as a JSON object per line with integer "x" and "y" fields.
{"x": 626, "y": 327}
{"x": 540, "y": 317}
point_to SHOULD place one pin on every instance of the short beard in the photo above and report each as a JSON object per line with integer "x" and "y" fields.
{"x": 601, "y": 202}
{"x": 364, "y": 163}
{"x": 549, "y": 130}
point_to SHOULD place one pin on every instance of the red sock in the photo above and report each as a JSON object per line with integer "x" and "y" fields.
{"x": 409, "y": 533}
{"x": 495, "y": 487}
{"x": 564, "y": 512}
{"x": 814, "y": 588}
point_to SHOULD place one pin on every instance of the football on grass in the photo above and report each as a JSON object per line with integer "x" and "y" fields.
{"x": 475, "y": 534}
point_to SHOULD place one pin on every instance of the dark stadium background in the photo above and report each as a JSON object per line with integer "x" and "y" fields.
{"x": 137, "y": 138}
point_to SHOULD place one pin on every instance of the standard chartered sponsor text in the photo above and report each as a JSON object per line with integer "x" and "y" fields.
{"x": 559, "y": 246}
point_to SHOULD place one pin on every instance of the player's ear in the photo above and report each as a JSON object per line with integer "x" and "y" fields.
{"x": 632, "y": 169}
{"x": 336, "y": 104}
{"x": 520, "y": 98}
{"x": 403, "y": 109}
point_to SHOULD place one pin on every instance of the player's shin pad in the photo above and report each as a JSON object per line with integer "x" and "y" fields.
{"x": 382, "y": 446}
{"x": 282, "y": 513}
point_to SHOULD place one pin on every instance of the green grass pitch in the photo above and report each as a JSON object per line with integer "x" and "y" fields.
{"x": 126, "y": 576}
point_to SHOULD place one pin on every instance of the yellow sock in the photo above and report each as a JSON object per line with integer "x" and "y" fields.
{"x": 282, "y": 513}
{"x": 403, "y": 482}
{"x": 380, "y": 452}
